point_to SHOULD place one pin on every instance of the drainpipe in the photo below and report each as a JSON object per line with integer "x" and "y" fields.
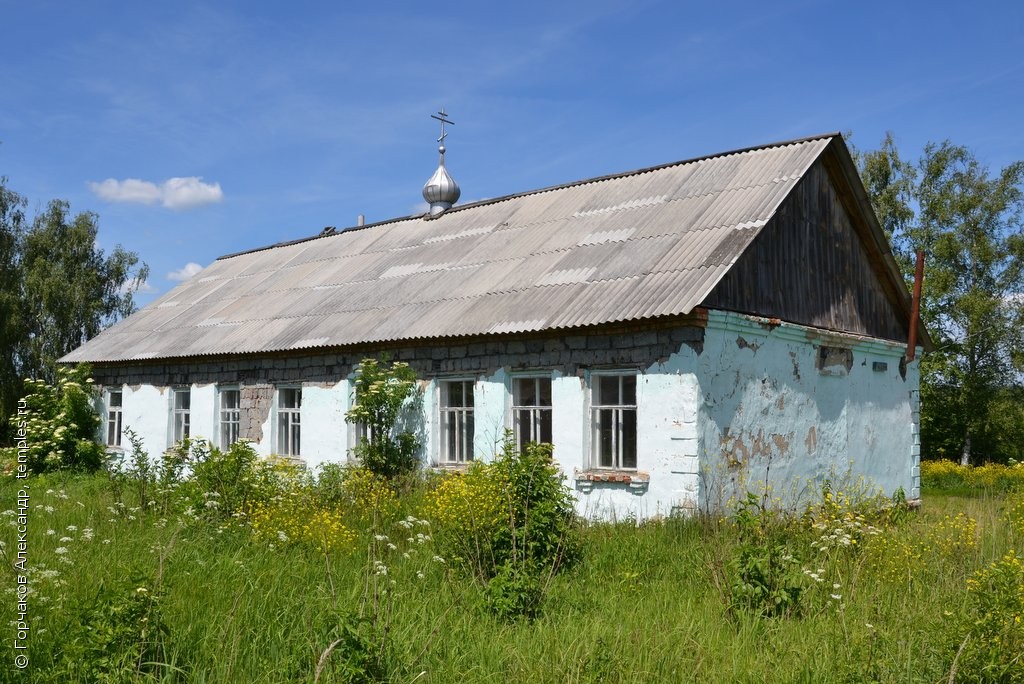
{"x": 915, "y": 307}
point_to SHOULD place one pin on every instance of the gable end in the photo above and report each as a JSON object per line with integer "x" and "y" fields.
{"x": 812, "y": 265}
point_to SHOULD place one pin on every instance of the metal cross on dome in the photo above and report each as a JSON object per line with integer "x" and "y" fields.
{"x": 442, "y": 116}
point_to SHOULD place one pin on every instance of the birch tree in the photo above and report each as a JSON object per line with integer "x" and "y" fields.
{"x": 968, "y": 221}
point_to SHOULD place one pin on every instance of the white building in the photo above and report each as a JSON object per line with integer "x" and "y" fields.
{"x": 675, "y": 332}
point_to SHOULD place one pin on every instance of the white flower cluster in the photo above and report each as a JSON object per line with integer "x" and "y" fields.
{"x": 847, "y": 533}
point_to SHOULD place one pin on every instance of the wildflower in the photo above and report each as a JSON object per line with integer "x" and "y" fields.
{"x": 142, "y": 590}
{"x": 64, "y": 540}
{"x": 71, "y": 528}
{"x": 381, "y": 537}
{"x": 50, "y": 533}
{"x": 419, "y": 575}
{"x": 438, "y": 559}
{"x": 60, "y": 550}
{"x": 836, "y": 596}
{"x": 391, "y": 547}
{"x": 106, "y": 541}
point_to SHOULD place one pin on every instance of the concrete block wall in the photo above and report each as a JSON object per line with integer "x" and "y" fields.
{"x": 791, "y": 407}
{"x": 739, "y": 396}
{"x": 325, "y": 379}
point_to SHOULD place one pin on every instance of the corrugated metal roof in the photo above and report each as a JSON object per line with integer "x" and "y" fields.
{"x": 648, "y": 243}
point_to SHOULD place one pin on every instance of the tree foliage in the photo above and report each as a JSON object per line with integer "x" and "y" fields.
{"x": 382, "y": 390}
{"x": 72, "y": 290}
{"x": 12, "y": 227}
{"x": 57, "y": 290}
{"x": 56, "y": 424}
{"x": 967, "y": 220}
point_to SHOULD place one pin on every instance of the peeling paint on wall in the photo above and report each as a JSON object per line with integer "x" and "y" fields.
{"x": 742, "y": 343}
{"x": 716, "y": 414}
{"x": 790, "y": 429}
{"x": 811, "y": 441}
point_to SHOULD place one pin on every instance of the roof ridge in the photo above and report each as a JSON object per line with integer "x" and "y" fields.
{"x": 538, "y": 191}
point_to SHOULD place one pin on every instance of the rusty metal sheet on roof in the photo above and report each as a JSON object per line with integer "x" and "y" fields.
{"x": 649, "y": 243}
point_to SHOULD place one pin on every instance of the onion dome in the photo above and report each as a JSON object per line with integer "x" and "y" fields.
{"x": 441, "y": 191}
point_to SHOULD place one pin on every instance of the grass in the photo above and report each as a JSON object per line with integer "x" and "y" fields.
{"x": 645, "y": 604}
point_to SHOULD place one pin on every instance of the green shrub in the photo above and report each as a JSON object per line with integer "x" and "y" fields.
{"x": 119, "y": 637}
{"x": 356, "y": 655}
{"x": 57, "y": 424}
{"x": 367, "y": 496}
{"x": 382, "y": 390}
{"x": 993, "y": 650}
{"x": 541, "y": 529}
{"x": 515, "y": 510}
{"x": 515, "y": 591}
{"x": 510, "y": 523}
{"x": 764, "y": 575}
{"x": 227, "y": 483}
{"x": 153, "y": 483}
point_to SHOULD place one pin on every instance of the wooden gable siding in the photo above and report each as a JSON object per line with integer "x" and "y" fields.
{"x": 810, "y": 266}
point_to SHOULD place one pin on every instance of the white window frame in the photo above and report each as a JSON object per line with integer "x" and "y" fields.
{"x": 181, "y": 416}
{"x": 617, "y": 412}
{"x": 229, "y": 418}
{"x": 115, "y": 418}
{"x": 463, "y": 418}
{"x": 533, "y": 411}
{"x": 289, "y": 423}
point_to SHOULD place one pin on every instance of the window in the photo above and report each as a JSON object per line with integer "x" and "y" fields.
{"x": 289, "y": 405}
{"x": 613, "y": 415}
{"x": 182, "y": 402}
{"x": 531, "y": 410}
{"x": 230, "y": 415}
{"x": 114, "y": 418}
{"x": 456, "y": 421}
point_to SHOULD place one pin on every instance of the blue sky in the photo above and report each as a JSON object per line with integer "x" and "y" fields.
{"x": 199, "y": 129}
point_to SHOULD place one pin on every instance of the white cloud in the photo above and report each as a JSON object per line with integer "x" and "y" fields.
{"x": 185, "y": 272}
{"x": 136, "y": 287}
{"x": 173, "y": 193}
{"x": 185, "y": 193}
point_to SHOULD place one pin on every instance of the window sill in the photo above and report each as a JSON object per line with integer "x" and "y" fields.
{"x": 453, "y": 466}
{"x": 637, "y": 482}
